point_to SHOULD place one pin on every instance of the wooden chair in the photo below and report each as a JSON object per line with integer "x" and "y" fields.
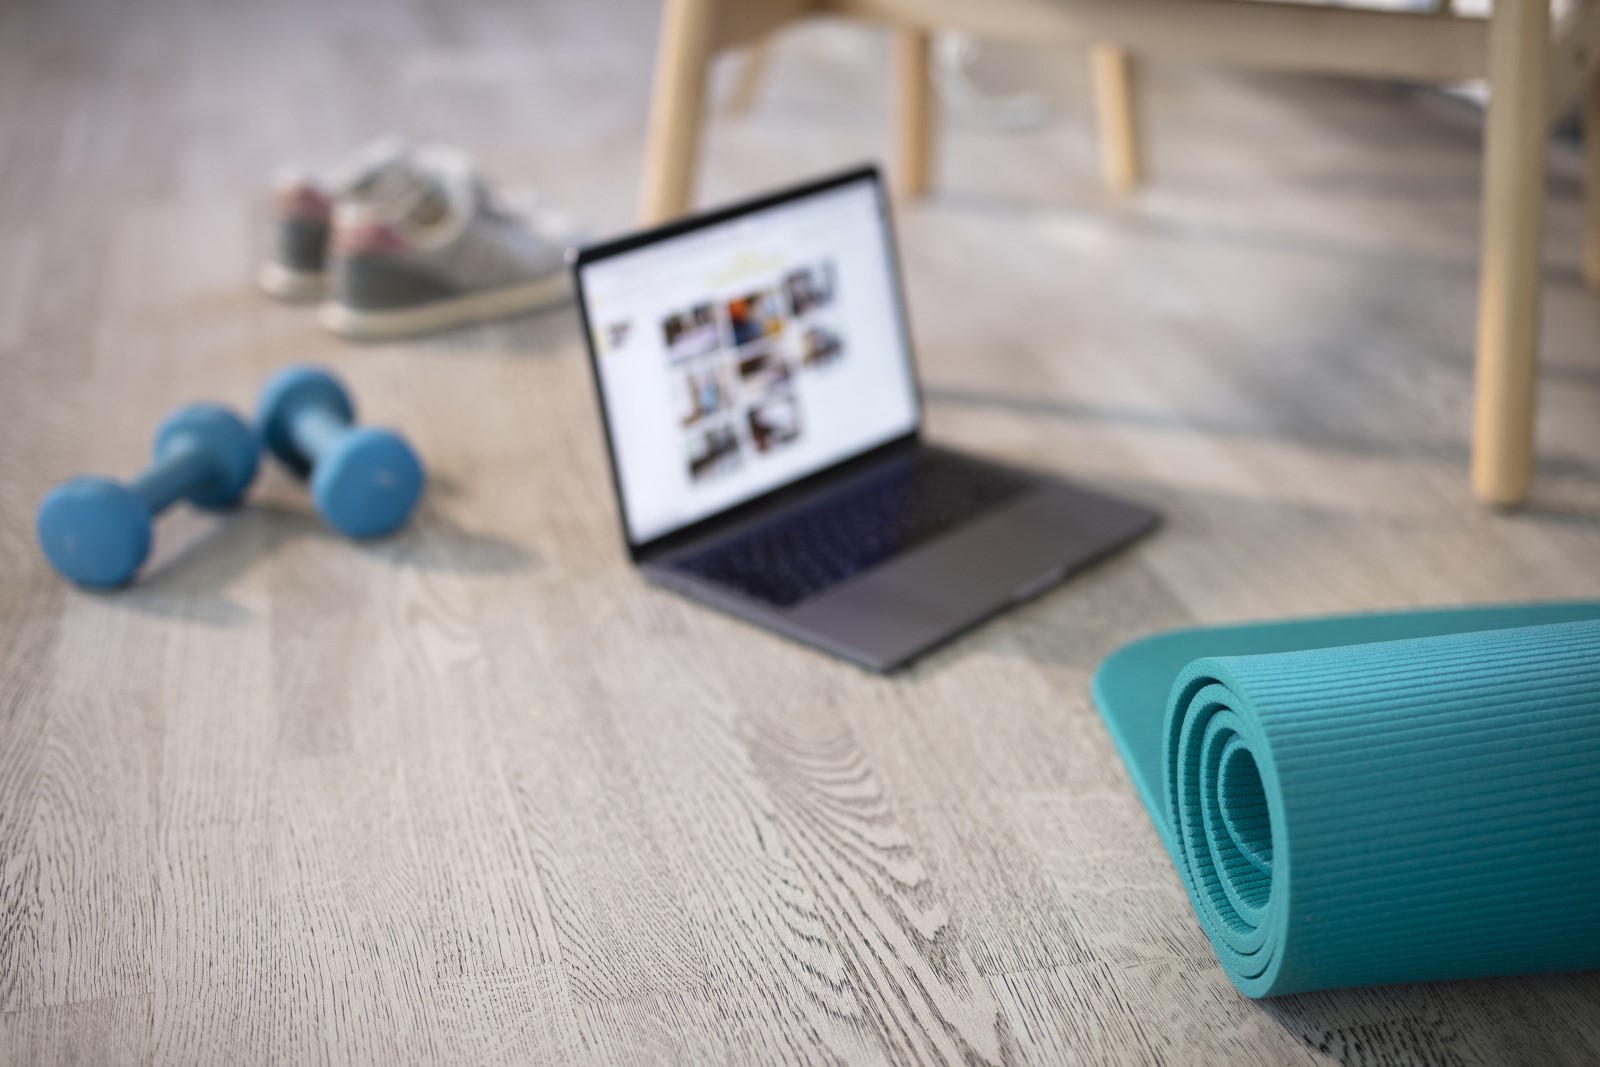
{"x": 1533, "y": 75}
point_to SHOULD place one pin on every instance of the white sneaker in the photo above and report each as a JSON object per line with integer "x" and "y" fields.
{"x": 442, "y": 253}
{"x": 303, "y": 211}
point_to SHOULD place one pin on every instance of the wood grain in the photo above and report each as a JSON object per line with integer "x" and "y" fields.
{"x": 477, "y": 794}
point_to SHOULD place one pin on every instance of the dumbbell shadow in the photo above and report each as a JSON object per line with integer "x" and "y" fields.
{"x": 431, "y": 542}
{"x": 190, "y": 579}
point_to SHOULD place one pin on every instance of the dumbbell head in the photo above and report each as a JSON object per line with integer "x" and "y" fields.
{"x": 94, "y": 531}
{"x": 97, "y": 531}
{"x": 290, "y": 391}
{"x": 366, "y": 483}
{"x": 230, "y": 444}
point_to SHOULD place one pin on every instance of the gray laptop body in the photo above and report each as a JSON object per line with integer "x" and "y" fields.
{"x": 886, "y": 554}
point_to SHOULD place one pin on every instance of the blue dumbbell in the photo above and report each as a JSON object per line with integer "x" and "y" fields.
{"x": 364, "y": 481}
{"x": 97, "y": 531}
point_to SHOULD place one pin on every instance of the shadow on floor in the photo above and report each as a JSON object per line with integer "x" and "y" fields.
{"x": 191, "y": 584}
{"x": 1499, "y": 1020}
{"x": 1400, "y": 1024}
{"x": 1200, "y": 425}
{"x": 1188, "y": 228}
{"x": 542, "y": 332}
{"x": 1250, "y": 547}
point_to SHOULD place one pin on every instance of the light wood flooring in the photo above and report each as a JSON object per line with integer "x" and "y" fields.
{"x": 477, "y": 794}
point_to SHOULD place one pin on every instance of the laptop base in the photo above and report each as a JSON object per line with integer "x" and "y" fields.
{"x": 887, "y": 616}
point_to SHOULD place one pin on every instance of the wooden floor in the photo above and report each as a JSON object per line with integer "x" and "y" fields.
{"x": 478, "y": 795}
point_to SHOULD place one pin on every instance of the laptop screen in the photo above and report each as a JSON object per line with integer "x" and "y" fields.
{"x": 745, "y": 354}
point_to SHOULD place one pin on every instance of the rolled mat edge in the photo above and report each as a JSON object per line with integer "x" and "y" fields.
{"x": 1405, "y": 809}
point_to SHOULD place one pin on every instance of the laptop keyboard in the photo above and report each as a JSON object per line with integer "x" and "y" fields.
{"x": 851, "y": 531}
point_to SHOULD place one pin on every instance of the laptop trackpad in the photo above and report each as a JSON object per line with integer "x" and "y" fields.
{"x": 932, "y": 591}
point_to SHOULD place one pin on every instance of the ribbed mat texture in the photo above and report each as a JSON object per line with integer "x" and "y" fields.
{"x": 1398, "y": 811}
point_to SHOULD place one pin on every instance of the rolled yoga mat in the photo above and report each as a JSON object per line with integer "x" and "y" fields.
{"x": 1380, "y": 798}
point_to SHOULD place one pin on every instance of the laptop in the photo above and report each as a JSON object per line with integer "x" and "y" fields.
{"x": 764, "y": 424}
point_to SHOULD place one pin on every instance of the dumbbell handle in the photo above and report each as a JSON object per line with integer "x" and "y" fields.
{"x": 316, "y": 429}
{"x": 183, "y": 465}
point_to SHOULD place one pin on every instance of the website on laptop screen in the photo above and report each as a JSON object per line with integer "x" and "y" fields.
{"x": 742, "y": 356}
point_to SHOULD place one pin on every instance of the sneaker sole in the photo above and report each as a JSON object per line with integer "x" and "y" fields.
{"x": 437, "y": 315}
{"x": 293, "y": 286}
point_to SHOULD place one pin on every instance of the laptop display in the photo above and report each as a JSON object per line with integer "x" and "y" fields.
{"x": 737, "y": 357}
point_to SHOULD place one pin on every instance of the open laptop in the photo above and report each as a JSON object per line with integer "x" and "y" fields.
{"x": 765, "y": 431}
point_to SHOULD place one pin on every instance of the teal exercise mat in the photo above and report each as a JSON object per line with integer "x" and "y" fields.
{"x": 1381, "y": 798}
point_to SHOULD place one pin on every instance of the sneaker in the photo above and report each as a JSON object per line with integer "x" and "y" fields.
{"x": 443, "y": 254}
{"x": 303, "y": 211}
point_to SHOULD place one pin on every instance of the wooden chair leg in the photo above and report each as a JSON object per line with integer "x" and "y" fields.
{"x": 914, "y": 112}
{"x": 1115, "y": 76}
{"x": 672, "y": 146}
{"x": 748, "y": 78}
{"x": 1591, "y": 176}
{"x": 1513, "y": 216}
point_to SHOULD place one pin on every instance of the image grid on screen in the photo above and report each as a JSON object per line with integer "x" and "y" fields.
{"x": 748, "y": 355}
